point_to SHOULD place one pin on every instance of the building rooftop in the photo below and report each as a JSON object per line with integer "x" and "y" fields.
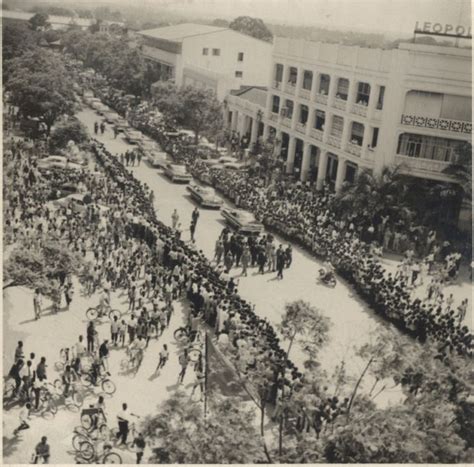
{"x": 254, "y": 94}
{"x": 180, "y": 31}
{"x": 53, "y": 19}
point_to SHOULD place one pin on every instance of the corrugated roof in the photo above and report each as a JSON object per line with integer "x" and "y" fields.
{"x": 179, "y": 32}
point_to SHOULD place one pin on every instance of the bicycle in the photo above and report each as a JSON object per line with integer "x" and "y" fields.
{"x": 64, "y": 359}
{"x": 185, "y": 336}
{"x": 106, "y": 384}
{"x": 74, "y": 395}
{"x": 9, "y": 390}
{"x": 111, "y": 434}
{"x": 132, "y": 362}
{"x": 89, "y": 454}
{"x": 94, "y": 313}
{"x": 47, "y": 400}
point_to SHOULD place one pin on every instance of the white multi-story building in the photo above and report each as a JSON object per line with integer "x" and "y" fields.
{"x": 220, "y": 59}
{"x": 334, "y": 109}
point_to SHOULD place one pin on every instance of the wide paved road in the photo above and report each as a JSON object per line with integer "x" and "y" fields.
{"x": 353, "y": 323}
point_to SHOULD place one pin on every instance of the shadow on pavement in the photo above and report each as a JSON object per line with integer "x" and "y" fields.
{"x": 10, "y": 445}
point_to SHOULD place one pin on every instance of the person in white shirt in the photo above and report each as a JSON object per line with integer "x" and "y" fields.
{"x": 164, "y": 355}
{"x": 24, "y": 417}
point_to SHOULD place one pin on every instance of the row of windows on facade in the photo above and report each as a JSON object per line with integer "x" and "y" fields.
{"x": 320, "y": 120}
{"x": 217, "y": 52}
{"x": 342, "y": 88}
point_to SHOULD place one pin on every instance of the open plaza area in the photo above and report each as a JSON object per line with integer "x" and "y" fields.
{"x": 202, "y": 271}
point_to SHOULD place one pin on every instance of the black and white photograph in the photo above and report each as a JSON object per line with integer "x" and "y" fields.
{"x": 237, "y": 232}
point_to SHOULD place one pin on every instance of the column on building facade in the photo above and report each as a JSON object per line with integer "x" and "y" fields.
{"x": 277, "y": 144}
{"x": 311, "y": 119}
{"x": 266, "y": 132}
{"x": 299, "y": 79}
{"x": 290, "y": 160}
{"x": 322, "y": 167}
{"x": 254, "y": 130}
{"x": 332, "y": 89}
{"x": 351, "y": 93}
{"x": 314, "y": 85}
{"x": 233, "y": 125}
{"x": 305, "y": 162}
{"x": 341, "y": 174}
{"x": 345, "y": 132}
{"x": 366, "y": 141}
{"x": 372, "y": 101}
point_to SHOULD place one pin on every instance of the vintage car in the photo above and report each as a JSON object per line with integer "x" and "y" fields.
{"x": 241, "y": 220}
{"x": 120, "y": 123}
{"x": 177, "y": 173}
{"x": 109, "y": 117}
{"x": 94, "y": 102}
{"x": 221, "y": 161}
{"x": 57, "y": 162}
{"x": 133, "y": 136}
{"x": 101, "y": 109}
{"x": 205, "y": 196}
{"x": 157, "y": 159}
{"x": 77, "y": 202}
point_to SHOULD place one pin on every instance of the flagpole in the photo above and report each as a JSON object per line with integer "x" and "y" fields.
{"x": 205, "y": 374}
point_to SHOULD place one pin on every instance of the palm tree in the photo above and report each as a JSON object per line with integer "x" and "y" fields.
{"x": 373, "y": 194}
{"x": 461, "y": 169}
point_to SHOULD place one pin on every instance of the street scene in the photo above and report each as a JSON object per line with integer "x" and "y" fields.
{"x": 236, "y": 240}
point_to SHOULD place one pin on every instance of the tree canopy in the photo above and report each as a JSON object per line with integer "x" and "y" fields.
{"x": 70, "y": 129}
{"x": 193, "y": 108}
{"x": 254, "y": 27}
{"x": 39, "y": 22}
{"x": 40, "y": 86}
{"x": 225, "y": 436}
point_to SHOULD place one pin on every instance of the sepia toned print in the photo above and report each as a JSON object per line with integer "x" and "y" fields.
{"x": 237, "y": 232}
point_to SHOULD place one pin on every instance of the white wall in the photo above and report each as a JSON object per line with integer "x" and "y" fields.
{"x": 255, "y": 66}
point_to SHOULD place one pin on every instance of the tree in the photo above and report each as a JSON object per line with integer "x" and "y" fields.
{"x": 40, "y": 86}
{"x": 227, "y": 435}
{"x": 18, "y": 38}
{"x": 373, "y": 194}
{"x": 69, "y": 130}
{"x": 254, "y": 27}
{"x": 461, "y": 169}
{"x": 39, "y": 22}
{"x": 220, "y": 23}
{"x": 305, "y": 325}
{"x": 36, "y": 267}
{"x": 193, "y": 108}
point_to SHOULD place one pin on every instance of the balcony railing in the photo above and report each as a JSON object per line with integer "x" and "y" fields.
{"x": 316, "y": 134}
{"x": 290, "y": 88}
{"x": 322, "y": 99}
{"x": 304, "y": 93}
{"x": 354, "y": 149}
{"x": 339, "y": 104}
{"x": 444, "y": 124}
{"x": 418, "y": 163}
{"x": 359, "y": 109}
{"x": 274, "y": 117}
{"x": 334, "y": 141}
{"x": 286, "y": 121}
{"x": 301, "y": 127}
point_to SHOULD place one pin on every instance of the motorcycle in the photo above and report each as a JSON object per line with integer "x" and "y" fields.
{"x": 327, "y": 278}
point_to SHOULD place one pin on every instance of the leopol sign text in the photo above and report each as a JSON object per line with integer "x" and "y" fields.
{"x": 443, "y": 29}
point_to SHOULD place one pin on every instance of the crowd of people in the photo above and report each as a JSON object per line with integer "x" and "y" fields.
{"x": 353, "y": 245}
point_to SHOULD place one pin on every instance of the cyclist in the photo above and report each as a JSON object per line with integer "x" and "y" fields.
{"x": 15, "y": 373}
{"x": 135, "y": 350}
{"x": 42, "y": 451}
{"x": 100, "y": 406}
{"x": 95, "y": 369}
{"x": 104, "y": 304}
{"x": 68, "y": 378}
